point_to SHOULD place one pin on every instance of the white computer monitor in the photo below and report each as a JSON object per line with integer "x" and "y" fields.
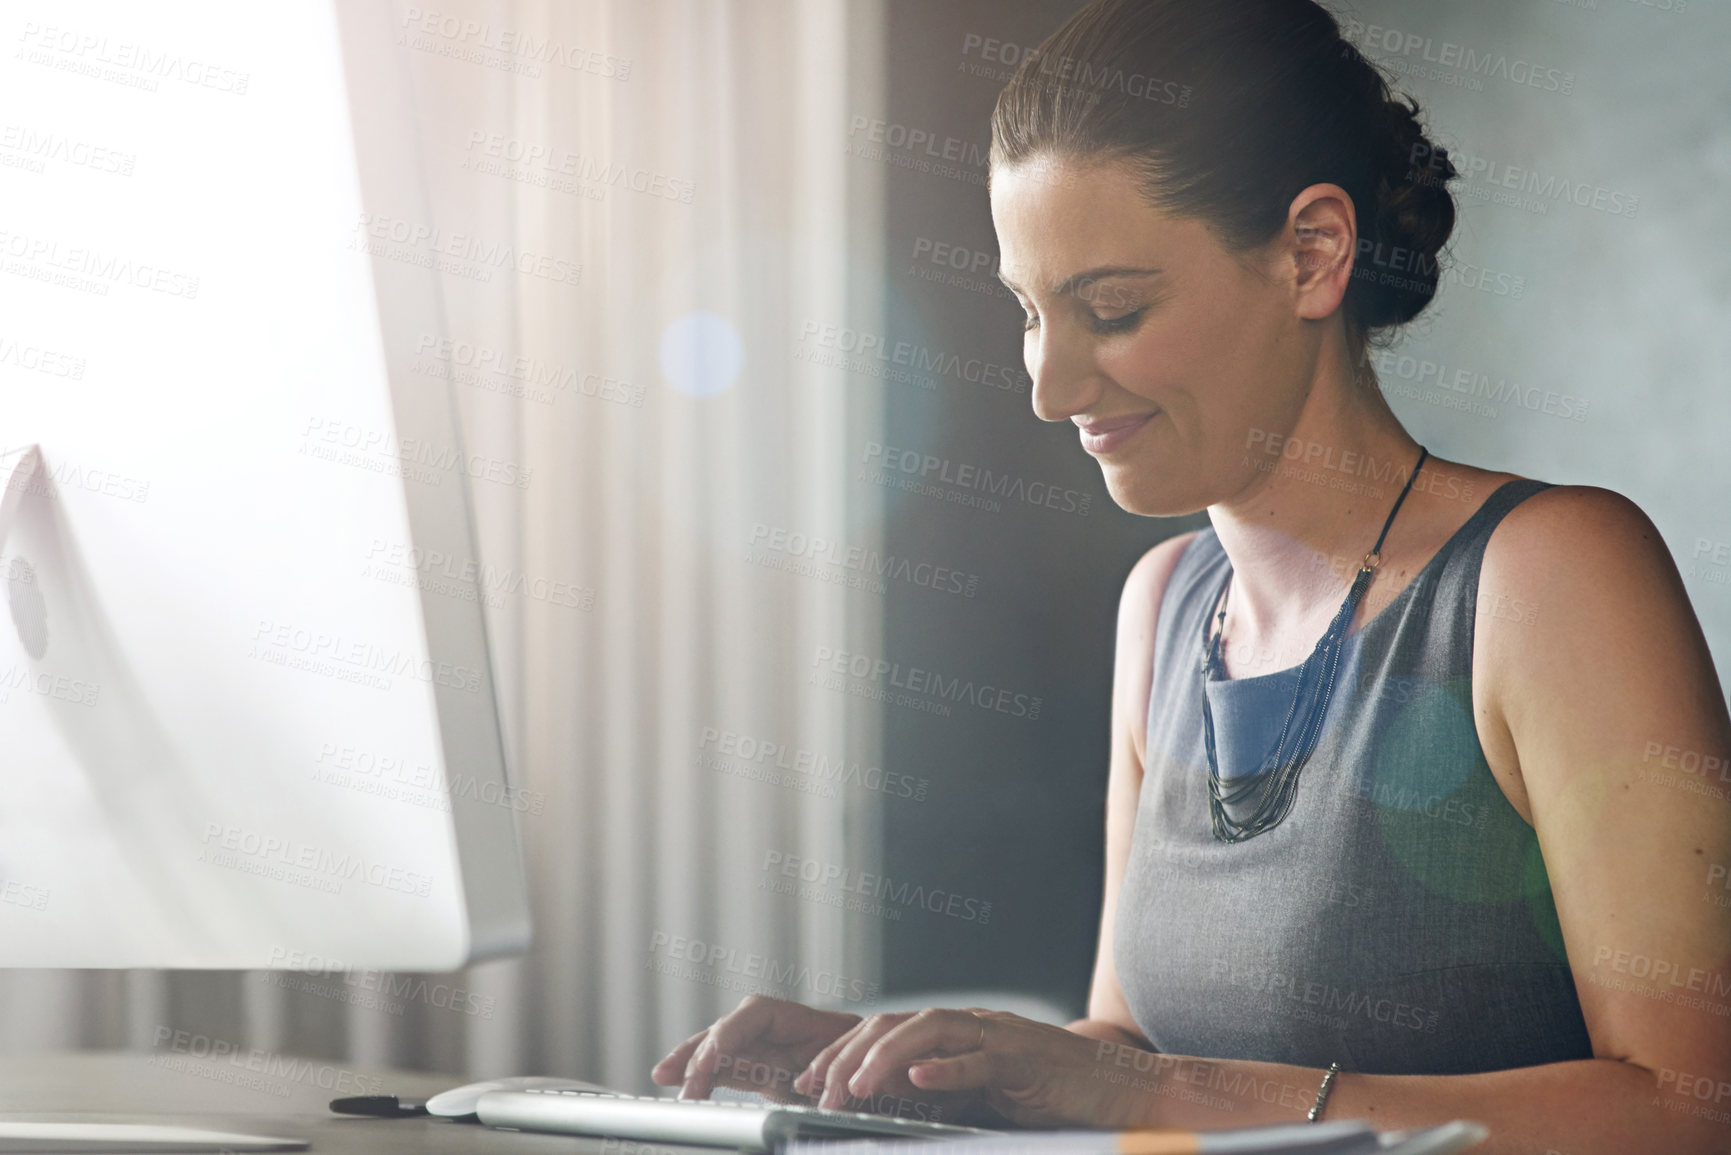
{"x": 247, "y": 716}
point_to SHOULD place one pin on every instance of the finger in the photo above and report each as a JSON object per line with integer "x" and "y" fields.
{"x": 671, "y": 1069}
{"x": 812, "y": 1080}
{"x": 755, "y": 1020}
{"x": 699, "y": 1079}
{"x": 838, "y": 1078}
{"x": 928, "y": 1033}
{"x": 969, "y": 1072}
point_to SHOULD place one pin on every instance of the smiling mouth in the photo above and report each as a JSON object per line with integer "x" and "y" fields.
{"x": 1099, "y": 437}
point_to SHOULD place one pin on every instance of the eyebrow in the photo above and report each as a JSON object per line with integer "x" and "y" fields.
{"x": 1069, "y": 284}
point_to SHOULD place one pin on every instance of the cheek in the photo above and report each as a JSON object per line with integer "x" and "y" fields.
{"x": 1211, "y": 378}
{"x": 1167, "y": 356}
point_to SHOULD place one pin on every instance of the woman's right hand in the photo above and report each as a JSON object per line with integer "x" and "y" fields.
{"x": 762, "y": 1046}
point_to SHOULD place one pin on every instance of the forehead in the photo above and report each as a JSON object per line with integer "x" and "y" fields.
{"x": 1056, "y": 216}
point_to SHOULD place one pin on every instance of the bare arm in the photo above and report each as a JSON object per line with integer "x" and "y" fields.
{"x": 1109, "y": 1015}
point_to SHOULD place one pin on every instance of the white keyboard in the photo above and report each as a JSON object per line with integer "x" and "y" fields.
{"x": 706, "y": 1122}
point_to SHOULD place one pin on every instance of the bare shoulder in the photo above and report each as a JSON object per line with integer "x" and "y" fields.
{"x": 1583, "y": 622}
{"x": 1146, "y": 585}
{"x": 1572, "y": 568}
{"x": 1138, "y": 610}
{"x": 1568, "y": 535}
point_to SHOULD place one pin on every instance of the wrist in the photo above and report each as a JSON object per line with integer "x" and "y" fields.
{"x": 1150, "y": 1108}
{"x": 1128, "y": 1080}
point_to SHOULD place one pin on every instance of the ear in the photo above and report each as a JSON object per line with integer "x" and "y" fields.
{"x": 1322, "y": 240}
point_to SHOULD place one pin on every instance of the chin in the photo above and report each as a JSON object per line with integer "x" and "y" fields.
{"x": 1147, "y": 496}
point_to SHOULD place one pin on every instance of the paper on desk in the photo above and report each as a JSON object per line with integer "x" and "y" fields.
{"x": 1344, "y": 1138}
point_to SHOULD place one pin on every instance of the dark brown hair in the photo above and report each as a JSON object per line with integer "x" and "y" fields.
{"x": 1227, "y": 110}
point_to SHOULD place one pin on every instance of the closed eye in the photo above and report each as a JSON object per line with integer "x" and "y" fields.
{"x": 1115, "y": 324}
{"x": 1106, "y": 326}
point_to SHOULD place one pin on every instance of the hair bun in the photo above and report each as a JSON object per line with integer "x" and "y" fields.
{"x": 1413, "y": 217}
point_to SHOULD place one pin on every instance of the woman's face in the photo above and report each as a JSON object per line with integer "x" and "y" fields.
{"x": 1140, "y": 322}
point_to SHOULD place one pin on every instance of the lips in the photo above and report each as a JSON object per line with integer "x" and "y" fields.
{"x": 1109, "y": 433}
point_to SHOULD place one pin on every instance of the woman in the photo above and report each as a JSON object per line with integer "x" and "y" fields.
{"x": 1451, "y": 847}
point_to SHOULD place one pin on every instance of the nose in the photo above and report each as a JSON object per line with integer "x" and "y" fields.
{"x": 1066, "y": 380}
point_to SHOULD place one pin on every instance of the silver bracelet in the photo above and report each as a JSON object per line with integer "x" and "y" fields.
{"x": 1322, "y": 1093}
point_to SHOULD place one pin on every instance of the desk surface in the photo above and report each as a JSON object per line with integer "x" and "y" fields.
{"x": 264, "y": 1094}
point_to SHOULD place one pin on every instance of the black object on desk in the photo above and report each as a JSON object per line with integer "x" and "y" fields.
{"x": 380, "y": 1106}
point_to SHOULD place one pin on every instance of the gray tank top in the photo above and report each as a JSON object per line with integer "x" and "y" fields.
{"x": 1399, "y": 920}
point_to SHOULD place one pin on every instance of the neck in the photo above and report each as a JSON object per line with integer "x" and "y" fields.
{"x": 1298, "y": 531}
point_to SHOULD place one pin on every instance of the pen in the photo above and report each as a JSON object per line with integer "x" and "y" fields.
{"x": 380, "y": 1106}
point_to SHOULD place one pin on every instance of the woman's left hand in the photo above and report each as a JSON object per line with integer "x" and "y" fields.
{"x": 1033, "y": 1074}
